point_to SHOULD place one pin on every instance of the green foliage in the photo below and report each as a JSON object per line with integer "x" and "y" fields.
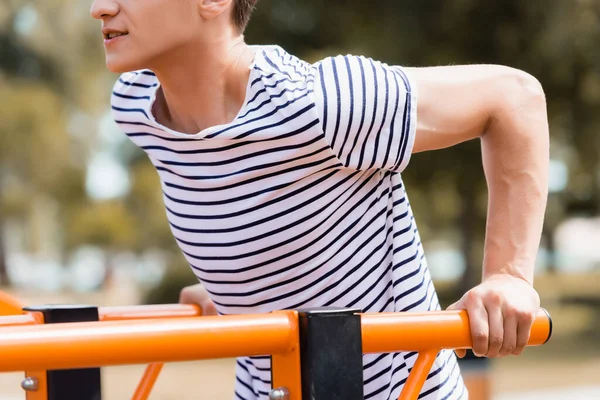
{"x": 34, "y": 147}
{"x": 554, "y": 40}
{"x": 105, "y": 224}
{"x": 167, "y": 291}
{"x": 145, "y": 203}
{"x": 55, "y": 71}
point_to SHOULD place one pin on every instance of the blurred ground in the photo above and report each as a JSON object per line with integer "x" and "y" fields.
{"x": 568, "y": 367}
{"x": 213, "y": 380}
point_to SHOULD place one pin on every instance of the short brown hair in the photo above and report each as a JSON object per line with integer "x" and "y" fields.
{"x": 242, "y": 10}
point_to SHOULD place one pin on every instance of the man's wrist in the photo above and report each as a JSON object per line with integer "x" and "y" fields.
{"x": 503, "y": 273}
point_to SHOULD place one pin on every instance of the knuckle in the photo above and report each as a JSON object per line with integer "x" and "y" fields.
{"x": 480, "y": 336}
{"x": 472, "y": 296}
{"x": 496, "y": 341}
{"x": 525, "y": 316}
{"x": 513, "y": 311}
{"x": 494, "y": 298}
{"x": 519, "y": 312}
{"x": 522, "y": 316}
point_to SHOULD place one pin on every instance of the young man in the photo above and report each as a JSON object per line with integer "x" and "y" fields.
{"x": 282, "y": 183}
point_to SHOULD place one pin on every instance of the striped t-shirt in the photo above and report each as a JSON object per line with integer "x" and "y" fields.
{"x": 298, "y": 202}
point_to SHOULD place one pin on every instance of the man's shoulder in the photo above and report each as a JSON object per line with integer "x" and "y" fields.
{"x": 131, "y": 95}
{"x": 273, "y": 61}
{"x": 135, "y": 83}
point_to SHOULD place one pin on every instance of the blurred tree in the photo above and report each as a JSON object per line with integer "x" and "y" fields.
{"x": 18, "y": 59}
{"x": 39, "y": 159}
{"x": 553, "y": 40}
{"x": 34, "y": 153}
{"x": 54, "y": 88}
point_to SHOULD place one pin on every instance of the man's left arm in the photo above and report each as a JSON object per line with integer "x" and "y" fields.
{"x": 506, "y": 109}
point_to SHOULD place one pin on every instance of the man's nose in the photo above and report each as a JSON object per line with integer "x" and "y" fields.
{"x": 104, "y": 8}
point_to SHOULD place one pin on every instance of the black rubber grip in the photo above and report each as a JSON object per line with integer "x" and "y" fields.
{"x": 549, "y": 322}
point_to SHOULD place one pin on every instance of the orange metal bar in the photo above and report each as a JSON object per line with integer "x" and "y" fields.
{"x": 286, "y": 366}
{"x": 130, "y": 341}
{"x": 147, "y": 383}
{"x": 149, "y": 312}
{"x": 9, "y": 305}
{"x": 92, "y": 344}
{"x": 392, "y": 332}
{"x": 418, "y": 375}
{"x": 17, "y": 320}
{"x": 428, "y": 333}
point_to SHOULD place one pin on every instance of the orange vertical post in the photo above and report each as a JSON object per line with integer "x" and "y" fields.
{"x": 285, "y": 367}
{"x": 147, "y": 383}
{"x": 41, "y": 390}
{"x": 9, "y": 305}
{"x": 418, "y": 375}
{"x": 12, "y": 310}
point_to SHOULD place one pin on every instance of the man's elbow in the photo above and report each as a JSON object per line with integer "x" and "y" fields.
{"x": 520, "y": 112}
{"x": 519, "y": 86}
{"x": 530, "y": 87}
{"x": 522, "y": 95}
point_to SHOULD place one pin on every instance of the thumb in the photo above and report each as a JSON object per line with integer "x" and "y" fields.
{"x": 460, "y": 353}
{"x": 208, "y": 308}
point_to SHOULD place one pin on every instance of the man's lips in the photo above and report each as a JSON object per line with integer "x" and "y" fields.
{"x": 109, "y": 33}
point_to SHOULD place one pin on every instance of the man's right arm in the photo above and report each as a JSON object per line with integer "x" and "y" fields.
{"x": 506, "y": 109}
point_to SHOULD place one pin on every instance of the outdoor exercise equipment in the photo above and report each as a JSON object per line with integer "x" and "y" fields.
{"x": 318, "y": 348}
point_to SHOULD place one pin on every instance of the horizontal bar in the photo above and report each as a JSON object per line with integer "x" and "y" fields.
{"x": 149, "y": 312}
{"x": 392, "y": 332}
{"x": 93, "y": 344}
{"x": 18, "y": 320}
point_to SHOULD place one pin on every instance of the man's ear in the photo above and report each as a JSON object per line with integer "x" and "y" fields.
{"x": 210, "y": 9}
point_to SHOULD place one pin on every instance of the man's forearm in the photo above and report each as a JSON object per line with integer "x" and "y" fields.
{"x": 515, "y": 157}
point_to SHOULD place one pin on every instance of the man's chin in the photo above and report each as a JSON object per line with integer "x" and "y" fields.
{"x": 121, "y": 66}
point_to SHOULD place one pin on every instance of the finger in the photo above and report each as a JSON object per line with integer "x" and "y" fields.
{"x": 478, "y": 322}
{"x": 523, "y": 333}
{"x": 208, "y": 308}
{"x": 195, "y": 294}
{"x": 190, "y": 297}
{"x": 184, "y": 297}
{"x": 460, "y": 353}
{"x": 510, "y": 335}
{"x": 496, "y": 331}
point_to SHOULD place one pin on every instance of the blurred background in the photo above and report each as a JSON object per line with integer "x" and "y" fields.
{"x": 81, "y": 214}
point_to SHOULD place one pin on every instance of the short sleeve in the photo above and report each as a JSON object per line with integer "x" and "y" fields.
{"x": 367, "y": 110}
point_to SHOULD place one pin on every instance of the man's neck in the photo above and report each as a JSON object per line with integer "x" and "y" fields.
{"x": 203, "y": 85}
